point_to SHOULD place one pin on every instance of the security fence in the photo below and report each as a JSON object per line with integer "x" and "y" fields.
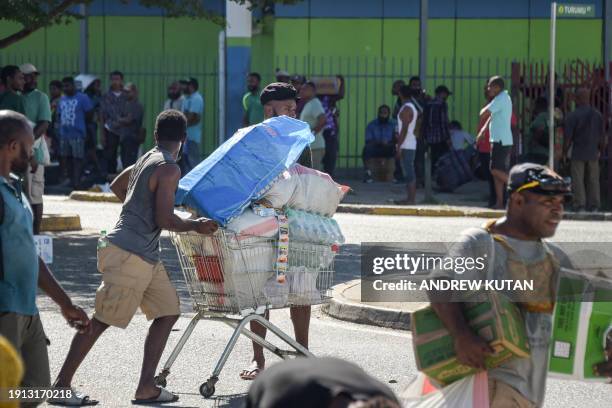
{"x": 368, "y": 85}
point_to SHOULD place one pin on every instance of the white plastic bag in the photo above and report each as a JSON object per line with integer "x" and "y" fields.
{"x": 315, "y": 192}
{"x": 249, "y": 223}
{"x": 469, "y": 392}
{"x": 306, "y": 189}
{"x": 281, "y": 191}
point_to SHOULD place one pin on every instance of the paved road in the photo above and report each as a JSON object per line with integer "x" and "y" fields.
{"x": 111, "y": 370}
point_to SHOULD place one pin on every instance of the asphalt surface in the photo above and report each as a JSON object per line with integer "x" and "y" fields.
{"x": 111, "y": 371}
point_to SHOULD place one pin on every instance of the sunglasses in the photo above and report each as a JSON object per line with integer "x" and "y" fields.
{"x": 546, "y": 183}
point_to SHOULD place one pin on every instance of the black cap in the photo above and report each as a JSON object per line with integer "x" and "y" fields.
{"x": 298, "y": 78}
{"x": 277, "y": 91}
{"x": 443, "y": 89}
{"x": 537, "y": 179}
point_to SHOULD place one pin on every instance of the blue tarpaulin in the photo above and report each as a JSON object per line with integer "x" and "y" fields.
{"x": 243, "y": 168}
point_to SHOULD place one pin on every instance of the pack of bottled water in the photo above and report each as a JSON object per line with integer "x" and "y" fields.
{"x": 309, "y": 227}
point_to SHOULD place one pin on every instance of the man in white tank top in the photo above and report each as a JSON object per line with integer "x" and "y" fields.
{"x": 406, "y": 143}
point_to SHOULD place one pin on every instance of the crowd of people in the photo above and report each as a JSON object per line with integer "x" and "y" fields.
{"x": 91, "y": 134}
{"x": 316, "y": 105}
{"x": 134, "y": 276}
{"x": 420, "y": 123}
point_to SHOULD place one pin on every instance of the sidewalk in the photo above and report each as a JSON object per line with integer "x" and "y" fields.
{"x": 346, "y": 305}
{"x": 469, "y": 200}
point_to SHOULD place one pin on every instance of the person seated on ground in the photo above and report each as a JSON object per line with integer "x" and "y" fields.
{"x": 318, "y": 382}
{"x": 536, "y": 140}
{"x": 460, "y": 139}
{"x": 379, "y": 139}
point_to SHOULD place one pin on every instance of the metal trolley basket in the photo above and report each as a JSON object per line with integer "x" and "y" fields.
{"x": 231, "y": 279}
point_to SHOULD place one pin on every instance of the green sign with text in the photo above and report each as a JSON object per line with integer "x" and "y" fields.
{"x": 576, "y": 10}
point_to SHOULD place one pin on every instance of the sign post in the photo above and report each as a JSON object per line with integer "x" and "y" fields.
{"x": 551, "y": 91}
{"x": 563, "y": 10}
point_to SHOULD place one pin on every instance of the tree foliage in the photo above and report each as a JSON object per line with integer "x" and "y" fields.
{"x": 33, "y": 15}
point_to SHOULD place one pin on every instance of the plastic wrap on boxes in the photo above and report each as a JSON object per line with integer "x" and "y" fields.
{"x": 243, "y": 168}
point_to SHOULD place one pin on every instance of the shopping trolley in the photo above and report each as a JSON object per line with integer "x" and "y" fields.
{"x": 231, "y": 279}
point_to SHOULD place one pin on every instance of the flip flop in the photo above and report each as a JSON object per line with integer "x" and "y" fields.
{"x": 77, "y": 399}
{"x": 164, "y": 397}
{"x": 250, "y": 374}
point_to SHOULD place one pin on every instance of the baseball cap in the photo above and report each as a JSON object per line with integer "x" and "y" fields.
{"x": 28, "y": 68}
{"x": 537, "y": 179}
{"x": 277, "y": 91}
{"x": 190, "y": 81}
{"x": 443, "y": 89}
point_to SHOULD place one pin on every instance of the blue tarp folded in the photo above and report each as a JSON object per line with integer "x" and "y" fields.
{"x": 243, "y": 168}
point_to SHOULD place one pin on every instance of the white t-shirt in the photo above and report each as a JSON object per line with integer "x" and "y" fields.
{"x": 410, "y": 141}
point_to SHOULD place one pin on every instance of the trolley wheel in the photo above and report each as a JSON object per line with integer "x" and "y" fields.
{"x": 161, "y": 381}
{"x": 207, "y": 390}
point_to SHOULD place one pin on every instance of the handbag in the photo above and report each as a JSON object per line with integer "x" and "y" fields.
{"x": 41, "y": 152}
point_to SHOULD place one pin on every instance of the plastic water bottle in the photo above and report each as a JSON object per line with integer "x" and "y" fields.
{"x": 102, "y": 241}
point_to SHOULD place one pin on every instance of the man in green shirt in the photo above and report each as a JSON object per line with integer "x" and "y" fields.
{"x": 253, "y": 109}
{"x": 38, "y": 111}
{"x": 11, "y": 98}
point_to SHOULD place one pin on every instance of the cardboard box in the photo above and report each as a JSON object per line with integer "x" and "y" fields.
{"x": 580, "y": 331}
{"x": 497, "y": 320}
{"x": 327, "y": 85}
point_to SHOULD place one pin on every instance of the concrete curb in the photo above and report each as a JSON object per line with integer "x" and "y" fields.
{"x": 343, "y": 309}
{"x": 452, "y": 212}
{"x": 60, "y": 223}
{"x": 94, "y": 197}
{"x": 443, "y": 211}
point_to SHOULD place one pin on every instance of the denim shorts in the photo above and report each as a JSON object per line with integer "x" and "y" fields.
{"x": 408, "y": 165}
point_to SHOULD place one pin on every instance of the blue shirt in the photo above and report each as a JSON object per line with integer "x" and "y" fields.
{"x": 379, "y": 132}
{"x": 194, "y": 103}
{"x": 501, "y": 117}
{"x": 19, "y": 273}
{"x": 72, "y": 110}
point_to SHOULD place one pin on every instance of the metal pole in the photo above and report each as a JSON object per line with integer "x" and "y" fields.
{"x": 551, "y": 91}
{"x": 83, "y": 41}
{"x": 423, "y": 43}
{"x": 607, "y": 37}
{"x": 222, "y": 79}
{"x": 423, "y": 76}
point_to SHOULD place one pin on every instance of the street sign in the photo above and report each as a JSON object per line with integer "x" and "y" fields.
{"x": 575, "y": 10}
{"x": 44, "y": 247}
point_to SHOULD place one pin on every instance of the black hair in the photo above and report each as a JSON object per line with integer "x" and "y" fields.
{"x": 193, "y": 82}
{"x": 497, "y": 81}
{"x": 310, "y": 84}
{"x": 413, "y": 79}
{"x": 406, "y": 91}
{"x": 68, "y": 79}
{"x": 8, "y": 71}
{"x": 56, "y": 83}
{"x": 385, "y": 107}
{"x": 540, "y": 104}
{"x": 455, "y": 124}
{"x": 118, "y": 73}
{"x": 171, "y": 125}
{"x": 255, "y": 75}
{"x": 11, "y": 123}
